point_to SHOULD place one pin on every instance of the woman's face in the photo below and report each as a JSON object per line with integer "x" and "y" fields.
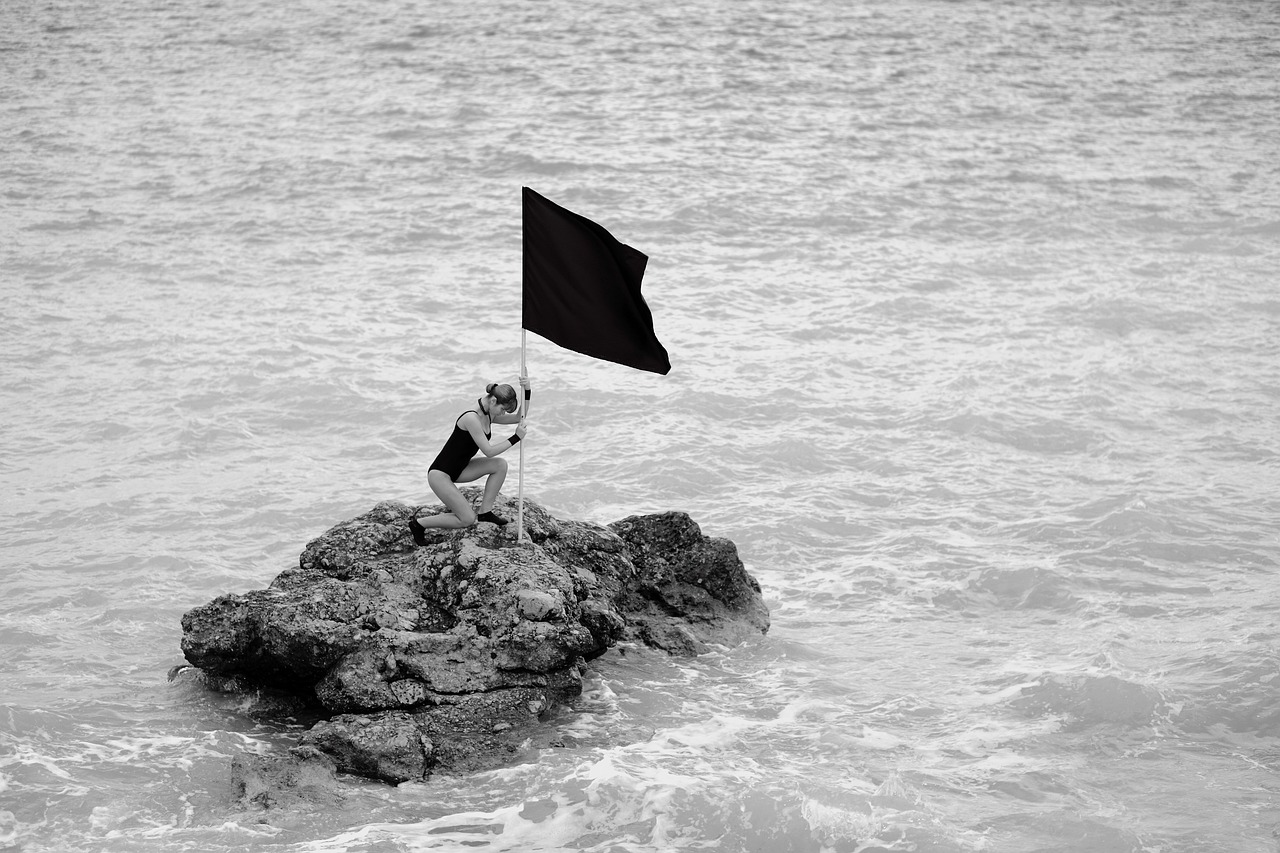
{"x": 496, "y": 406}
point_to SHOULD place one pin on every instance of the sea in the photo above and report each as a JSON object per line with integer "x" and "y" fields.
{"x": 973, "y": 310}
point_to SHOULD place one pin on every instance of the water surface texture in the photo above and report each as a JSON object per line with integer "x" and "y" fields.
{"x": 974, "y": 315}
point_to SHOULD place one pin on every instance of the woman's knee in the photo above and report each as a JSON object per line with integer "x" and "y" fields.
{"x": 501, "y": 466}
{"x": 466, "y": 515}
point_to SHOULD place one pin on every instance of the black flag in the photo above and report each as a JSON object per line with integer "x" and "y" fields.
{"x": 582, "y": 288}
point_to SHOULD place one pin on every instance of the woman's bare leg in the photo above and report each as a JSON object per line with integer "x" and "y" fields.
{"x": 460, "y": 512}
{"x": 496, "y": 469}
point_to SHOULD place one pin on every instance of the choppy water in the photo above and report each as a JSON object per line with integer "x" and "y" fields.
{"x": 973, "y": 314}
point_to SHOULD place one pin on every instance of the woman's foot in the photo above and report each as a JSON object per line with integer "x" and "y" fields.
{"x": 417, "y": 530}
{"x": 492, "y": 518}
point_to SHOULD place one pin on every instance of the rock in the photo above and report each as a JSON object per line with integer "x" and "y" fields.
{"x": 252, "y": 699}
{"x": 442, "y": 658}
{"x": 538, "y": 606}
{"x": 387, "y": 746}
{"x": 687, "y": 581}
{"x": 271, "y": 781}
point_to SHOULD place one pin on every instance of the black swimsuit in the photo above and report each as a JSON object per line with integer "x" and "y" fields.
{"x": 457, "y": 451}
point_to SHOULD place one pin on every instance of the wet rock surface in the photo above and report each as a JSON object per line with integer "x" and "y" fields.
{"x": 443, "y": 657}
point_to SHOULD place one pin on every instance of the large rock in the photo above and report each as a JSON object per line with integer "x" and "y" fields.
{"x": 691, "y": 590}
{"x": 442, "y": 657}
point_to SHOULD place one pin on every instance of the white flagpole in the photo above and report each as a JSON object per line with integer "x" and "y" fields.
{"x": 524, "y": 371}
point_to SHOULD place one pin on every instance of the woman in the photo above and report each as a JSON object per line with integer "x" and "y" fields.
{"x": 454, "y": 464}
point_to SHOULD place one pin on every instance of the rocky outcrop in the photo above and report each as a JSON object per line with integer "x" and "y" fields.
{"x": 443, "y": 657}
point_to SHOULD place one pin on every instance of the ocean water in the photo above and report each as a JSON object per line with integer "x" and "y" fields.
{"x": 974, "y": 315}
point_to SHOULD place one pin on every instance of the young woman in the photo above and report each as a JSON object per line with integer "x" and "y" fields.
{"x": 471, "y": 433}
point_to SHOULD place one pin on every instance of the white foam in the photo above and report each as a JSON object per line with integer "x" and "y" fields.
{"x": 795, "y": 710}
{"x": 24, "y": 754}
{"x": 650, "y": 795}
{"x": 872, "y": 739}
{"x": 8, "y": 828}
{"x": 832, "y": 824}
{"x": 999, "y": 696}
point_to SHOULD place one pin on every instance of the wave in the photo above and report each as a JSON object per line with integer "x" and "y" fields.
{"x": 1085, "y": 701}
{"x": 1020, "y": 588}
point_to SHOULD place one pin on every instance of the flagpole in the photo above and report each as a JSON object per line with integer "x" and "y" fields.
{"x": 524, "y": 371}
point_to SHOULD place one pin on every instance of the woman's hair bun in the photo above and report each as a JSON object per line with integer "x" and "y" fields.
{"x": 504, "y": 394}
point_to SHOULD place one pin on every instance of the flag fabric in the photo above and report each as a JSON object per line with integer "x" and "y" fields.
{"x": 582, "y": 288}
